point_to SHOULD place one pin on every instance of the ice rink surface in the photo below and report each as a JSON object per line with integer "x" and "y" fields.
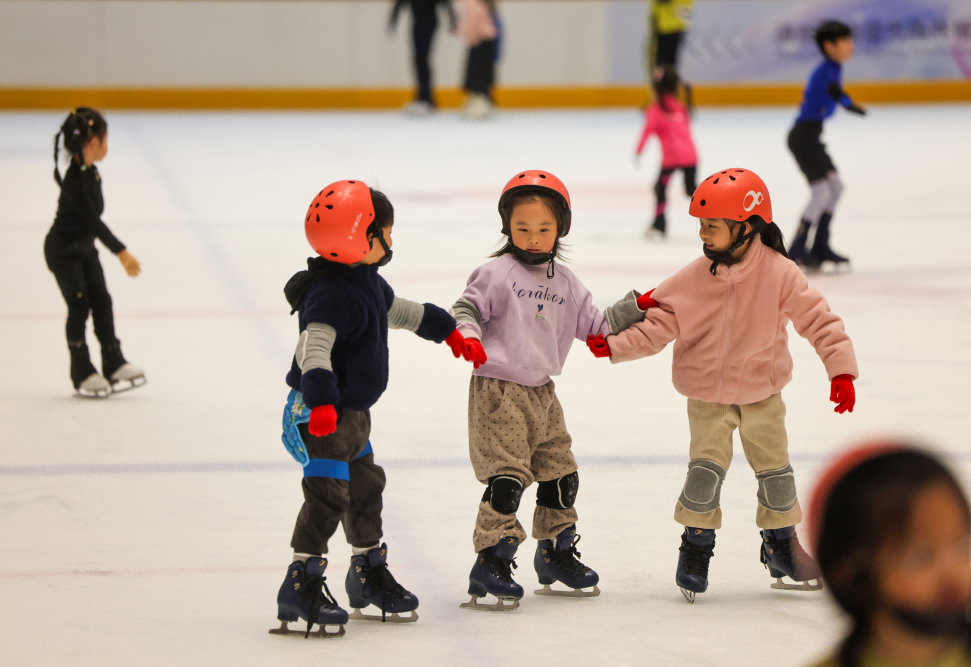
{"x": 153, "y": 528}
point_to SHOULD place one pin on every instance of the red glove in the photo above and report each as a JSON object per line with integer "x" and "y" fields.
{"x": 477, "y": 354}
{"x": 644, "y": 301}
{"x": 843, "y": 393}
{"x": 323, "y": 420}
{"x": 456, "y": 341}
{"x": 598, "y": 345}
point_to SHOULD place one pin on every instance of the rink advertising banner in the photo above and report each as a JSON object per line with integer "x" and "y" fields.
{"x": 755, "y": 41}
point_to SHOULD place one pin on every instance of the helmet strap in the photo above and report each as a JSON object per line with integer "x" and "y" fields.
{"x": 536, "y": 258}
{"x": 379, "y": 235}
{"x": 727, "y": 256}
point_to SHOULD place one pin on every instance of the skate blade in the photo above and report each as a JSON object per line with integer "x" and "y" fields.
{"x": 320, "y": 633}
{"x": 500, "y": 604}
{"x": 127, "y": 385}
{"x": 653, "y": 235}
{"x": 85, "y": 393}
{"x": 688, "y": 595}
{"x": 810, "y": 585}
{"x": 575, "y": 593}
{"x": 392, "y": 617}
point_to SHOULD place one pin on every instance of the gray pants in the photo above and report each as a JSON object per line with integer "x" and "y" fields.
{"x": 329, "y": 500}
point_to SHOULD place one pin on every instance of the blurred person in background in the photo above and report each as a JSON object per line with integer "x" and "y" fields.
{"x": 891, "y": 528}
{"x": 424, "y": 24}
{"x": 670, "y": 120}
{"x": 479, "y": 28}
{"x": 669, "y": 21}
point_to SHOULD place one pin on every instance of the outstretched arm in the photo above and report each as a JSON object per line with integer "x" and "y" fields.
{"x": 646, "y": 338}
{"x": 814, "y": 321}
{"x": 426, "y": 320}
{"x": 393, "y": 21}
{"x": 836, "y": 91}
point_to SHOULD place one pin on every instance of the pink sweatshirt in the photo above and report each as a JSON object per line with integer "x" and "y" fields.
{"x": 476, "y": 24}
{"x": 731, "y": 344}
{"x": 526, "y": 321}
{"x": 673, "y": 129}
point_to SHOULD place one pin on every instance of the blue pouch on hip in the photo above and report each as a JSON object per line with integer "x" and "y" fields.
{"x": 294, "y": 414}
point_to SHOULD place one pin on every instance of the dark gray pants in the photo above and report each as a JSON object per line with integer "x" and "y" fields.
{"x": 329, "y": 501}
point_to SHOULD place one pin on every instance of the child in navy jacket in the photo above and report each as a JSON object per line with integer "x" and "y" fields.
{"x": 339, "y": 371}
{"x": 823, "y": 91}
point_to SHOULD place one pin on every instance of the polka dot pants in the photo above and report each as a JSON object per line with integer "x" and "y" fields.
{"x": 518, "y": 431}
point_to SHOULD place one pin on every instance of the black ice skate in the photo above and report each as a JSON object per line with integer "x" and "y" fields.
{"x": 784, "y": 557}
{"x": 821, "y": 251}
{"x": 658, "y": 230}
{"x": 87, "y": 382}
{"x": 121, "y": 374}
{"x": 304, "y": 595}
{"x": 797, "y": 249}
{"x": 697, "y": 550}
{"x": 369, "y": 582}
{"x": 559, "y": 560}
{"x": 492, "y": 575}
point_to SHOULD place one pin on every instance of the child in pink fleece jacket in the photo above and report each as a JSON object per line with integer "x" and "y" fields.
{"x": 727, "y": 314}
{"x": 521, "y": 313}
{"x": 671, "y": 122}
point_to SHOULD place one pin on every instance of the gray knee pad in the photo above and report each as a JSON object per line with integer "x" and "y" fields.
{"x": 558, "y": 493}
{"x": 835, "y": 191}
{"x": 702, "y": 488}
{"x": 777, "y": 489}
{"x": 820, "y": 198}
{"x": 503, "y": 493}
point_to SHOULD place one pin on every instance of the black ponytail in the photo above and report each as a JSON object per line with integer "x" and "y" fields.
{"x": 772, "y": 237}
{"x": 80, "y": 127}
{"x": 666, "y": 81}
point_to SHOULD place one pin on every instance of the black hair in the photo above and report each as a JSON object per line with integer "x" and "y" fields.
{"x": 383, "y": 211}
{"x": 830, "y": 31}
{"x": 869, "y": 507}
{"x": 666, "y": 81}
{"x": 80, "y": 127}
{"x": 556, "y": 205}
{"x": 770, "y": 233}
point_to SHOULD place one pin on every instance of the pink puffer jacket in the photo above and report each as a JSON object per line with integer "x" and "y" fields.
{"x": 476, "y": 23}
{"x": 731, "y": 344}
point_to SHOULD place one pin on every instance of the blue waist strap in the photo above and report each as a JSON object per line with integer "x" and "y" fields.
{"x": 331, "y": 468}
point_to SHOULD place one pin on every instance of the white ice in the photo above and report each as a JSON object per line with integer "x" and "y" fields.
{"x": 153, "y": 528}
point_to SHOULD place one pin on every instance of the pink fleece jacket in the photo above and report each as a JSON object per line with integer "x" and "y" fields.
{"x": 729, "y": 330}
{"x": 673, "y": 130}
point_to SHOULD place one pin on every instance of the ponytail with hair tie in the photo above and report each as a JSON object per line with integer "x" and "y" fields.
{"x": 78, "y": 129}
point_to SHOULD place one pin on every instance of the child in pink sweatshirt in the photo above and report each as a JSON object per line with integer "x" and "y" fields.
{"x": 670, "y": 121}
{"x": 727, "y": 314}
{"x": 521, "y": 313}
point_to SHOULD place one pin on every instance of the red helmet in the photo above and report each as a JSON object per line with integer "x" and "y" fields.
{"x": 532, "y": 180}
{"x": 337, "y": 222}
{"x": 736, "y": 194}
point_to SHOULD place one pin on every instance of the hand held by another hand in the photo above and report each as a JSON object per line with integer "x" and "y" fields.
{"x": 645, "y": 301}
{"x": 599, "y": 347}
{"x": 477, "y": 353}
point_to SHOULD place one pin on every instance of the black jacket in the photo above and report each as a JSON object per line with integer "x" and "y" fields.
{"x": 79, "y": 208}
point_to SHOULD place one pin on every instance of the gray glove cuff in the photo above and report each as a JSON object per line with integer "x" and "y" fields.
{"x": 624, "y": 313}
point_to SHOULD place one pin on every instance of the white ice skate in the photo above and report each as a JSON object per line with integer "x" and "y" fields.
{"x": 94, "y": 386}
{"x": 478, "y": 107}
{"x": 127, "y": 377}
{"x": 418, "y": 108}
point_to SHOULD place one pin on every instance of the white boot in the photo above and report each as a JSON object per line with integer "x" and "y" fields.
{"x": 418, "y": 108}
{"x": 128, "y": 376}
{"x": 94, "y": 386}
{"x": 478, "y": 107}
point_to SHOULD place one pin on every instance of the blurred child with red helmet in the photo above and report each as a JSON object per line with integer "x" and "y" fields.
{"x": 727, "y": 314}
{"x": 891, "y": 527}
{"x": 520, "y": 314}
{"x": 339, "y": 370}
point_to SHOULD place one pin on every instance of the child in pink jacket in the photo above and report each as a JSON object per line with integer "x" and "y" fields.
{"x": 727, "y": 314}
{"x": 477, "y": 26}
{"x": 671, "y": 122}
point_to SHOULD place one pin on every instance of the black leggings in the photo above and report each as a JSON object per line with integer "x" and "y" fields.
{"x": 421, "y": 36}
{"x": 661, "y": 187}
{"x": 82, "y": 282}
{"x": 480, "y": 68}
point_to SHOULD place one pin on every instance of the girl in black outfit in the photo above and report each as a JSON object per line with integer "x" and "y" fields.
{"x": 73, "y": 259}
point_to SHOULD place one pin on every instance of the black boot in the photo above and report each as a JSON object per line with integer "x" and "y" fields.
{"x": 81, "y": 366}
{"x": 111, "y": 358}
{"x": 797, "y": 250}
{"x": 821, "y": 251}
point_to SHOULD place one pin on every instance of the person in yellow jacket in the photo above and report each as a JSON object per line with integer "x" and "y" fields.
{"x": 669, "y": 21}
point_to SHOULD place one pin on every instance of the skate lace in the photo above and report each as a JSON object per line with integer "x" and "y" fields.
{"x": 322, "y": 598}
{"x": 501, "y": 567}
{"x": 793, "y": 556}
{"x": 696, "y": 557}
{"x": 382, "y": 582}
{"x": 569, "y": 558}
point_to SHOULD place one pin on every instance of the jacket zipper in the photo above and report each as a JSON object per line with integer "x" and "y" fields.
{"x": 727, "y": 334}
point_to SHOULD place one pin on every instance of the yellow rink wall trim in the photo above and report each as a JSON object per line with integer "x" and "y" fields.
{"x": 513, "y": 98}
